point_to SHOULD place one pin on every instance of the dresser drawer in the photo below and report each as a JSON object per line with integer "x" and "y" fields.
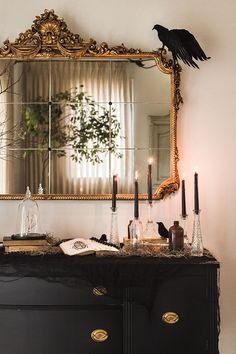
{"x": 172, "y": 317}
{"x": 36, "y": 291}
{"x": 60, "y": 331}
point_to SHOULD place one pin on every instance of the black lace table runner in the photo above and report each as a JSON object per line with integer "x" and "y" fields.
{"x": 108, "y": 271}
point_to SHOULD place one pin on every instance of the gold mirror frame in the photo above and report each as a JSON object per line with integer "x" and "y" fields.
{"x": 49, "y": 37}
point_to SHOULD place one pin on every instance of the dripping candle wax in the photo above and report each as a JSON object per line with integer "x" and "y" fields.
{"x": 150, "y": 181}
{"x": 184, "y": 214}
{"x": 136, "y": 211}
{"x": 114, "y": 192}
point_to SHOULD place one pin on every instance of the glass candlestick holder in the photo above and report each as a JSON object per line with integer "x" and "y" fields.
{"x": 136, "y": 233}
{"x": 114, "y": 234}
{"x": 150, "y": 230}
{"x": 184, "y": 224}
{"x": 197, "y": 245}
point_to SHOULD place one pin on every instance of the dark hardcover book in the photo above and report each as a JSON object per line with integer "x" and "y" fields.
{"x": 31, "y": 236}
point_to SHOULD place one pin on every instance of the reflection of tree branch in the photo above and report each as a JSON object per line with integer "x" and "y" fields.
{"x": 12, "y": 136}
{"x": 10, "y": 83}
{"x": 5, "y": 141}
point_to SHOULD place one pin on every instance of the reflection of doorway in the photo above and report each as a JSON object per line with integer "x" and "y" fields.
{"x": 159, "y": 143}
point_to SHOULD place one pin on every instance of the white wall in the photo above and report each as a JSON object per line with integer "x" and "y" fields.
{"x": 207, "y": 123}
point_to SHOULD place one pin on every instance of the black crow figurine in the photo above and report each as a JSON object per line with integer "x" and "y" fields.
{"x": 162, "y": 230}
{"x": 182, "y": 44}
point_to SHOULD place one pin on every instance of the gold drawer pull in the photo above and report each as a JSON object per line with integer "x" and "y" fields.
{"x": 99, "y": 291}
{"x": 99, "y": 335}
{"x": 170, "y": 317}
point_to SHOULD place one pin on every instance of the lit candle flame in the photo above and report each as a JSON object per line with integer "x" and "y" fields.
{"x": 136, "y": 175}
{"x": 183, "y": 176}
{"x": 150, "y": 160}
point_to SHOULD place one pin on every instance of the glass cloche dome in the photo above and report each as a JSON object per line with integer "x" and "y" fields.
{"x": 27, "y": 224}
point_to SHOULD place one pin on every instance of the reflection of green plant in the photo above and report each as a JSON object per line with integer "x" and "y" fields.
{"x": 77, "y": 122}
{"x": 37, "y": 125}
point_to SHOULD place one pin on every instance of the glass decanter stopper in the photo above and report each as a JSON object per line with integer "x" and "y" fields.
{"x": 40, "y": 189}
{"x": 197, "y": 245}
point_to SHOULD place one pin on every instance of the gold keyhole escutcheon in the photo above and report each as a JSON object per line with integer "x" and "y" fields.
{"x": 99, "y": 335}
{"x": 170, "y": 317}
{"x": 99, "y": 291}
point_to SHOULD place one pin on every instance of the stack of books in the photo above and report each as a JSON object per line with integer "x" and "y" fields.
{"x": 24, "y": 245}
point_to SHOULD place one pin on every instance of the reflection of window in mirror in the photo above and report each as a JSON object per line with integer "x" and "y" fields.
{"x": 109, "y": 86}
{"x": 160, "y": 144}
{"x": 130, "y": 94}
{"x": 152, "y": 125}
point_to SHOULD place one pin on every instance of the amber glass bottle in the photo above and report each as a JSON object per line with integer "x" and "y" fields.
{"x": 176, "y": 237}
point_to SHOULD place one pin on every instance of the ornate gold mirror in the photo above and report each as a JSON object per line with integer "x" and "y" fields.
{"x": 73, "y": 113}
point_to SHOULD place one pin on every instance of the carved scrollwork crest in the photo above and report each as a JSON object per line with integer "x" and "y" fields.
{"x": 50, "y": 36}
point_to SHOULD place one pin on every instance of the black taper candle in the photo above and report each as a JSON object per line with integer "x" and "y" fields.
{"x": 196, "y": 197}
{"x": 136, "y": 211}
{"x": 184, "y": 214}
{"x": 114, "y": 192}
{"x": 150, "y": 182}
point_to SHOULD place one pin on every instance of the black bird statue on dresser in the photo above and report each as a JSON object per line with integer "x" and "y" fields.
{"x": 182, "y": 44}
{"x": 162, "y": 230}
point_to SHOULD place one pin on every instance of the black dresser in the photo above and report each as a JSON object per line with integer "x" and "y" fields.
{"x": 55, "y": 304}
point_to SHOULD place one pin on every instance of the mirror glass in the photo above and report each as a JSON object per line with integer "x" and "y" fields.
{"x": 69, "y": 125}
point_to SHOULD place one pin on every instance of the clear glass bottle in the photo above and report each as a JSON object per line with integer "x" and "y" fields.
{"x": 27, "y": 224}
{"x": 150, "y": 230}
{"x": 136, "y": 233}
{"x": 184, "y": 224}
{"x": 176, "y": 237}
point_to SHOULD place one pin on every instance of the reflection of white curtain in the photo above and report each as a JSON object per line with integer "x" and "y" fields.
{"x": 3, "y": 114}
{"x": 104, "y": 82}
{"x": 35, "y": 87}
{"x": 8, "y": 129}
